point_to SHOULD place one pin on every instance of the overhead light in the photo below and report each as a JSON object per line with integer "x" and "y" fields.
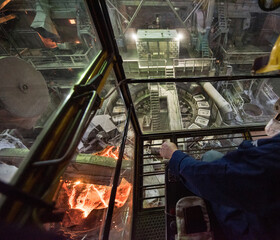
{"x": 72, "y": 21}
{"x": 179, "y": 37}
{"x": 134, "y": 36}
{"x": 77, "y": 42}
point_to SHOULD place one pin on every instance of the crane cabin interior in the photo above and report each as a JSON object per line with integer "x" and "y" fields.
{"x": 91, "y": 89}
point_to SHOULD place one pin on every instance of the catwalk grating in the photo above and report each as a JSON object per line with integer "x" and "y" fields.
{"x": 150, "y": 226}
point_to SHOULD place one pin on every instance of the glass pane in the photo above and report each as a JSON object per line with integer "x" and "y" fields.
{"x": 45, "y": 47}
{"x": 87, "y": 182}
{"x": 163, "y": 107}
{"x": 192, "y": 38}
{"x": 122, "y": 216}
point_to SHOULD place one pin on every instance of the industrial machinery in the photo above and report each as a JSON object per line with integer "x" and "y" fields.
{"x": 91, "y": 89}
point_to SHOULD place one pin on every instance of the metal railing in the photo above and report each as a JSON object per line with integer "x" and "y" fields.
{"x": 194, "y": 63}
{"x": 195, "y": 143}
{"x": 76, "y": 60}
{"x": 242, "y": 57}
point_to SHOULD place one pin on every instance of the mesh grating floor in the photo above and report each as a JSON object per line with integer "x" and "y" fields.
{"x": 150, "y": 226}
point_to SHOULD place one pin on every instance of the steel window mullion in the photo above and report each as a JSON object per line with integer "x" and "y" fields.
{"x": 147, "y": 156}
{"x": 109, "y": 214}
{"x": 205, "y": 140}
{"x": 160, "y": 196}
{"x": 201, "y": 79}
{"x": 152, "y": 164}
{"x": 137, "y": 183}
{"x": 254, "y": 136}
{"x": 202, "y": 132}
{"x": 100, "y": 25}
{"x": 108, "y": 35}
{"x": 154, "y": 186}
{"x": 158, "y": 173}
{"x": 207, "y": 149}
{"x": 152, "y": 174}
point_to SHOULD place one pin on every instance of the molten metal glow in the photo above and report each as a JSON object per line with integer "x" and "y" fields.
{"x": 109, "y": 152}
{"x": 88, "y": 197}
{"x": 48, "y": 42}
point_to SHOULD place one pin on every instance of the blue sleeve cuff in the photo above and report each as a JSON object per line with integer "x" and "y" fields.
{"x": 175, "y": 162}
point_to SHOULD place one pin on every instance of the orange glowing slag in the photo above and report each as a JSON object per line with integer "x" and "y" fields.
{"x": 109, "y": 151}
{"x": 88, "y": 197}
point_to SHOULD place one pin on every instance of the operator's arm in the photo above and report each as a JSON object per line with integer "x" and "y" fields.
{"x": 202, "y": 178}
{"x": 230, "y": 181}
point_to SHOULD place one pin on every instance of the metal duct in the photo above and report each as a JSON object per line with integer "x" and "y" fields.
{"x": 42, "y": 22}
{"x": 222, "y": 104}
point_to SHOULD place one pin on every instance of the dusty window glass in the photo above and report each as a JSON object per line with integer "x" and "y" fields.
{"x": 122, "y": 216}
{"x": 45, "y": 47}
{"x": 195, "y": 38}
{"x": 164, "y": 107}
{"x": 86, "y": 185}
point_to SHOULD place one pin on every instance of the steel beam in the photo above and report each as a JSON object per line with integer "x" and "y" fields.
{"x": 156, "y": 3}
{"x": 194, "y": 9}
{"x": 109, "y": 214}
{"x": 134, "y": 15}
{"x": 247, "y": 6}
{"x": 113, "y": 6}
{"x": 176, "y": 14}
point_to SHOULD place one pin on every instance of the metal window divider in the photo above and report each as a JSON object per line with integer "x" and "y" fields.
{"x": 110, "y": 209}
{"x": 105, "y": 29}
{"x": 83, "y": 94}
{"x": 95, "y": 102}
{"x": 201, "y": 79}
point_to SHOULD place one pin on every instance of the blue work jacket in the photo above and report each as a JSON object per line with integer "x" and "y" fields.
{"x": 243, "y": 187}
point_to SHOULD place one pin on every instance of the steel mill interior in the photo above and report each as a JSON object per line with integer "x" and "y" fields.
{"x": 90, "y": 89}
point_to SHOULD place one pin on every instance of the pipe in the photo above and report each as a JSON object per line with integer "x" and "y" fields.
{"x": 210, "y": 14}
{"x": 222, "y": 104}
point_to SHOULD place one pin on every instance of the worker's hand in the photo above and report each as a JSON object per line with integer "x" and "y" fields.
{"x": 167, "y": 149}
